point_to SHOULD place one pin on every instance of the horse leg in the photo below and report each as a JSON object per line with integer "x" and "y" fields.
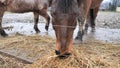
{"x": 81, "y": 31}
{"x": 93, "y": 15}
{"x": 47, "y": 17}
{"x": 36, "y": 19}
{"x": 87, "y": 23}
{"x": 92, "y": 19}
{"x": 48, "y": 23}
{"x": 2, "y": 32}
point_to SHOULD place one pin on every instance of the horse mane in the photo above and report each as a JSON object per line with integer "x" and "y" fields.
{"x": 65, "y": 5}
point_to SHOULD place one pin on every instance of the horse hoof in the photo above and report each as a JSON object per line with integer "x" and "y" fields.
{"x": 76, "y": 41}
{"x": 46, "y": 28}
{"x": 3, "y": 33}
{"x": 78, "y": 38}
{"x": 93, "y": 29}
{"x": 38, "y": 31}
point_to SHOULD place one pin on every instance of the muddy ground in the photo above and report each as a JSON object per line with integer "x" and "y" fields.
{"x": 108, "y": 20}
{"x": 98, "y": 49}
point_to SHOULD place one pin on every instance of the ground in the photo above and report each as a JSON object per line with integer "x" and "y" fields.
{"x": 38, "y": 49}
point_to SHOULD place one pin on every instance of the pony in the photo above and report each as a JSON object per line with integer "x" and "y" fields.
{"x": 90, "y": 16}
{"x": 38, "y": 7}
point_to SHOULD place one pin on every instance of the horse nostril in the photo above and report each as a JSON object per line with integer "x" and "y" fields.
{"x": 66, "y": 55}
{"x": 63, "y": 56}
{"x": 57, "y": 52}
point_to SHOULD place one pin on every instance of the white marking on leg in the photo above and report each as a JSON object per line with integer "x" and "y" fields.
{"x": 83, "y": 27}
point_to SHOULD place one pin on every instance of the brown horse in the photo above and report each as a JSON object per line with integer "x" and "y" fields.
{"x": 65, "y": 14}
{"x": 64, "y": 19}
{"x": 90, "y": 16}
{"x": 38, "y": 7}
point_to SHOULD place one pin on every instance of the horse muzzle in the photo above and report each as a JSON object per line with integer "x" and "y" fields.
{"x": 62, "y": 55}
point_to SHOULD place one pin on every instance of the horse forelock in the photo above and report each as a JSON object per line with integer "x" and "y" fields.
{"x": 65, "y": 5}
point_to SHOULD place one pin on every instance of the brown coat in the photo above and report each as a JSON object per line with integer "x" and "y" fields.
{"x": 20, "y": 6}
{"x": 38, "y": 7}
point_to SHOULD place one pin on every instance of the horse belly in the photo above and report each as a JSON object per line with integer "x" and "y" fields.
{"x": 21, "y": 6}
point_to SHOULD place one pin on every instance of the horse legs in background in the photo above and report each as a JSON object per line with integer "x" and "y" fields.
{"x": 93, "y": 15}
{"x": 48, "y": 22}
{"x": 92, "y": 19}
{"x": 2, "y": 32}
{"x": 87, "y": 22}
{"x": 36, "y": 19}
{"x": 47, "y": 17}
{"x": 82, "y": 24}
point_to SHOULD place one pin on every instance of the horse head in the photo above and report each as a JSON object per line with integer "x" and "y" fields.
{"x": 64, "y": 19}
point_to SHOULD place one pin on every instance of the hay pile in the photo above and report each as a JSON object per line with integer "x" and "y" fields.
{"x": 90, "y": 54}
{"x": 85, "y": 55}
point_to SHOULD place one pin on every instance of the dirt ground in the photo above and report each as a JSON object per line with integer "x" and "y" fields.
{"x": 108, "y": 20}
{"x": 39, "y": 49}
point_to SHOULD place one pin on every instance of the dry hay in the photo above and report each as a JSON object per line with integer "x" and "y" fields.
{"x": 7, "y": 62}
{"x": 83, "y": 56}
{"x": 90, "y": 54}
